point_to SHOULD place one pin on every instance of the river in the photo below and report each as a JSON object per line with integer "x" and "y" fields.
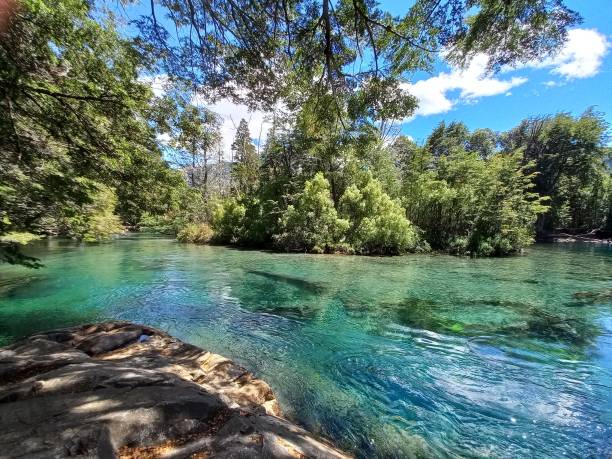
{"x": 421, "y": 355}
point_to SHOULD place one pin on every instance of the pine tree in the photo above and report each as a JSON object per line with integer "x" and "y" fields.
{"x": 245, "y": 172}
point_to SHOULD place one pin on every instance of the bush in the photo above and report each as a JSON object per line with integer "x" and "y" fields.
{"x": 187, "y": 207}
{"x": 260, "y": 221}
{"x": 313, "y": 224}
{"x": 197, "y": 233}
{"x": 378, "y": 224}
{"x": 162, "y": 224}
{"x": 228, "y": 221}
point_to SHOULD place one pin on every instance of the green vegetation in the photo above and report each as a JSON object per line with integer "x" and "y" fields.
{"x": 312, "y": 224}
{"x": 568, "y": 155}
{"x": 469, "y": 205}
{"x": 87, "y": 148}
{"x": 77, "y": 154}
{"x": 378, "y": 224}
{"x": 197, "y": 233}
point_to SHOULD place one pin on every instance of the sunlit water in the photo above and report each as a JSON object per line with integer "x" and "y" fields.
{"x": 389, "y": 357}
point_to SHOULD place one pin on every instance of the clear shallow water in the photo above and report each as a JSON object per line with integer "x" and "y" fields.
{"x": 389, "y": 357}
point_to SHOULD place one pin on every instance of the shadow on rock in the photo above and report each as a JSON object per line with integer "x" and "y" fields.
{"x": 120, "y": 389}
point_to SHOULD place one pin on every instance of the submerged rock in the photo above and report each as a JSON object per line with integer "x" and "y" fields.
{"x": 122, "y": 390}
{"x": 602, "y": 296}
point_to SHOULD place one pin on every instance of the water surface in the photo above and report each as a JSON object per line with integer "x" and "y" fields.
{"x": 415, "y": 356}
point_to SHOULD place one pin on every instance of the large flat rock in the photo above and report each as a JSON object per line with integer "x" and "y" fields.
{"x": 123, "y": 390}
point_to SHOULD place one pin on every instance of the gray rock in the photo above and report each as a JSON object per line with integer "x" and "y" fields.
{"x": 122, "y": 390}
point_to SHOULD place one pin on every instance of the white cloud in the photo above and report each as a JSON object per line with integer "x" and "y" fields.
{"x": 163, "y": 138}
{"x": 581, "y": 56}
{"x": 472, "y": 82}
{"x": 231, "y": 114}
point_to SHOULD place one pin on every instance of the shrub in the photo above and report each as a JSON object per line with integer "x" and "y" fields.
{"x": 95, "y": 221}
{"x": 228, "y": 221}
{"x": 476, "y": 207}
{"x": 378, "y": 224}
{"x": 187, "y": 207}
{"x": 313, "y": 224}
{"x": 198, "y": 233}
{"x": 162, "y": 224}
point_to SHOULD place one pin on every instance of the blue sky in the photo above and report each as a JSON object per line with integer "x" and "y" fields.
{"x": 579, "y": 77}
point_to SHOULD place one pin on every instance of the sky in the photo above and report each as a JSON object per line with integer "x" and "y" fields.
{"x": 575, "y": 79}
{"x": 579, "y": 77}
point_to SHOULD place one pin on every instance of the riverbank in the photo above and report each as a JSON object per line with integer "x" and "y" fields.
{"x": 118, "y": 389}
{"x": 567, "y": 237}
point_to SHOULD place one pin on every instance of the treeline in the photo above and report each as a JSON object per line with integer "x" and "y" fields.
{"x": 86, "y": 148}
{"x": 480, "y": 193}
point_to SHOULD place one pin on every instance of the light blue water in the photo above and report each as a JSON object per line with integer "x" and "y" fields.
{"x": 389, "y": 357}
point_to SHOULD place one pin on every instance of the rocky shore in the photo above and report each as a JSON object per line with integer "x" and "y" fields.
{"x": 123, "y": 390}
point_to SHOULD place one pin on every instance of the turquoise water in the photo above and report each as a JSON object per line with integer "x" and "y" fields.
{"x": 389, "y": 357}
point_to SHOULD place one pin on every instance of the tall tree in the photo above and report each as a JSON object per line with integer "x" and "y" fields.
{"x": 261, "y": 51}
{"x": 445, "y": 140}
{"x": 194, "y": 137}
{"x": 568, "y": 155}
{"x": 245, "y": 170}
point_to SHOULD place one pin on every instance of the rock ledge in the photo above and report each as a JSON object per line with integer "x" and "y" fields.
{"x": 123, "y": 390}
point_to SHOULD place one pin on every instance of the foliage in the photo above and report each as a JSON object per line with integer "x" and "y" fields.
{"x": 73, "y": 125}
{"x": 196, "y": 233}
{"x": 459, "y": 193}
{"x": 446, "y": 139}
{"x": 19, "y": 238}
{"x": 10, "y": 244}
{"x": 95, "y": 221}
{"x": 228, "y": 220}
{"x": 378, "y": 224}
{"x": 193, "y": 135}
{"x": 246, "y": 162}
{"x": 475, "y": 206}
{"x": 262, "y": 51}
{"x": 84, "y": 141}
{"x": 312, "y": 224}
{"x": 568, "y": 154}
{"x": 607, "y": 230}
{"x": 184, "y": 206}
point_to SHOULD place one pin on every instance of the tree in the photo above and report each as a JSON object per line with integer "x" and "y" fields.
{"x": 96, "y": 221}
{"x": 378, "y": 224}
{"x": 482, "y": 141}
{"x": 73, "y": 119}
{"x": 336, "y": 68}
{"x": 260, "y": 51}
{"x": 194, "y": 133}
{"x": 469, "y": 205}
{"x": 568, "y": 156}
{"x": 245, "y": 170}
{"x": 445, "y": 140}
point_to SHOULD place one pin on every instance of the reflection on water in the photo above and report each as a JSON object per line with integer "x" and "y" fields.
{"x": 416, "y": 356}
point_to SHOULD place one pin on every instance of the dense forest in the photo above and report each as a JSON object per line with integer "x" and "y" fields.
{"x": 87, "y": 149}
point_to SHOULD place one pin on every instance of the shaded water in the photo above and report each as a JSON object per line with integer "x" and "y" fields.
{"x": 389, "y": 357}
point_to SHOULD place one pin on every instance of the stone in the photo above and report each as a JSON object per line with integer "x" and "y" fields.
{"x": 123, "y": 390}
